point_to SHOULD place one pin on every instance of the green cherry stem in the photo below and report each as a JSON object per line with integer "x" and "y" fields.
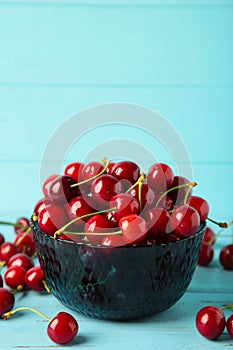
{"x": 92, "y": 233}
{"x": 219, "y": 232}
{"x": 188, "y": 191}
{"x": 141, "y": 179}
{"x": 220, "y": 224}
{"x": 140, "y": 195}
{"x": 93, "y": 177}
{"x": 190, "y": 185}
{"x": 23, "y": 236}
{"x": 61, "y": 230}
{"x": 14, "y": 224}
{"x": 9, "y": 314}
{"x": 230, "y": 306}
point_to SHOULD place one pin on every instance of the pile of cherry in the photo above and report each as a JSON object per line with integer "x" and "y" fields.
{"x": 22, "y": 275}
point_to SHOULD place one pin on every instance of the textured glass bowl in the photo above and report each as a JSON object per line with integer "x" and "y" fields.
{"x": 117, "y": 283}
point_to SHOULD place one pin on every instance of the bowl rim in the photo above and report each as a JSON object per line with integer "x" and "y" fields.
{"x": 35, "y": 227}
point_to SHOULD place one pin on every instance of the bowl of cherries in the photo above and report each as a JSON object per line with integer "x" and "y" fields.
{"x": 116, "y": 243}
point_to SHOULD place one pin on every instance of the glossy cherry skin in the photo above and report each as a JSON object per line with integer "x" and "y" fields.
{"x": 133, "y": 227}
{"x": 62, "y": 328}
{"x": 78, "y": 207}
{"x": 74, "y": 170}
{"x": 206, "y": 254}
{"x": 104, "y": 187}
{"x": 91, "y": 169}
{"x": 7, "y": 301}
{"x": 98, "y": 224}
{"x": 160, "y": 177}
{"x": 147, "y": 196}
{"x": 22, "y": 260}
{"x": 126, "y": 170}
{"x": 47, "y": 183}
{"x": 14, "y": 277}
{"x": 184, "y": 221}
{"x": 51, "y": 219}
{"x": 200, "y": 205}
{"x": 2, "y": 239}
{"x": 178, "y": 195}
{"x": 113, "y": 241}
{"x": 165, "y": 202}
{"x": 7, "y": 250}
{"x": 157, "y": 220}
{"x": 209, "y": 236}
{"x": 25, "y": 225}
{"x": 60, "y": 190}
{"x": 210, "y": 322}
{"x": 226, "y": 257}
{"x": 34, "y": 279}
{"x": 230, "y": 325}
{"x": 125, "y": 204}
{"x": 41, "y": 204}
{"x": 109, "y": 168}
{"x": 25, "y": 243}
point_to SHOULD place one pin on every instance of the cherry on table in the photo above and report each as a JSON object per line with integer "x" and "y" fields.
{"x": 35, "y": 279}
{"x": 25, "y": 243}
{"x": 230, "y": 325}
{"x": 133, "y": 227}
{"x": 210, "y": 322}
{"x": 209, "y": 236}
{"x": 7, "y": 250}
{"x": 206, "y": 254}
{"x": 14, "y": 277}
{"x": 160, "y": 177}
{"x": 7, "y": 300}
{"x": 24, "y": 223}
{"x": 62, "y": 328}
{"x": 201, "y": 205}
{"x": 184, "y": 221}
{"x": 226, "y": 257}
{"x": 22, "y": 260}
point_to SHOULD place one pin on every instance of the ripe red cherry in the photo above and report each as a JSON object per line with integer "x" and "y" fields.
{"x": 51, "y": 219}
{"x": 98, "y": 224}
{"x": 125, "y": 204}
{"x": 209, "y": 236}
{"x": 91, "y": 169}
{"x": 160, "y": 177}
{"x": 7, "y": 250}
{"x": 47, "y": 183}
{"x": 178, "y": 195}
{"x": 200, "y": 205}
{"x": 25, "y": 243}
{"x": 206, "y": 254}
{"x": 2, "y": 239}
{"x": 126, "y": 170}
{"x": 226, "y": 257}
{"x": 24, "y": 222}
{"x": 34, "y": 279}
{"x": 184, "y": 221}
{"x": 113, "y": 241}
{"x": 41, "y": 204}
{"x": 147, "y": 196}
{"x": 60, "y": 190}
{"x": 74, "y": 170}
{"x": 157, "y": 220}
{"x": 210, "y": 322}
{"x": 104, "y": 187}
{"x": 7, "y": 300}
{"x": 14, "y": 277}
{"x": 165, "y": 202}
{"x": 78, "y": 207}
{"x": 62, "y": 328}
{"x": 22, "y": 260}
{"x": 230, "y": 325}
{"x": 109, "y": 168}
{"x": 133, "y": 227}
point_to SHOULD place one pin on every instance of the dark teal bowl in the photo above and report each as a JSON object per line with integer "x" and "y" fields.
{"x": 118, "y": 283}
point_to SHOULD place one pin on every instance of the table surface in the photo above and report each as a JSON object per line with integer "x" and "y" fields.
{"x": 171, "y": 329}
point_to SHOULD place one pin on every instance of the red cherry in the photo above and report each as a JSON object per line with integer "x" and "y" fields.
{"x": 230, "y": 325}
{"x": 60, "y": 190}
{"x": 98, "y": 224}
{"x": 133, "y": 227}
{"x": 91, "y": 169}
{"x": 209, "y": 236}
{"x": 125, "y": 204}
{"x": 160, "y": 177}
{"x": 47, "y": 183}
{"x": 126, "y": 170}
{"x": 22, "y": 260}
{"x": 2, "y": 239}
{"x": 7, "y": 300}
{"x": 165, "y": 202}
{"x": 178, "y": 194}
{"x": 113, "y": 241}
{"x": 206, "y": 254}
{"x": 34, "y": 279}
{"x": 109, "y": 168}
{"x": 41, "y": 204}
{"x": 184, "y": 221}
{"x": 226, "y": 257}
{"x": 104, "y": 187}
{"x": 74, "y": 170}
{"x": 25, "y": 243}
{"x": 78, "y": 207}
{"x": 200, "y": 205}
{"x": 51, "y": 219}
{"x": 210, "y": 322}
{"x": 24, "y": 222}
{"x": 14, "y": 277}
{"x": 157, "y": 220}
{"x": 148, "y": 197}
{"x": 1, "y": 281}
{"x": 62, "y": 328}
{"x": 7, "y": 250}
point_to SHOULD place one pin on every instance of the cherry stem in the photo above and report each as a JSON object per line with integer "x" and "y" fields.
{"x": 188, "y": 192}
{"x": 23, "y": 236}
{"x": 9, "y": 314}
{"x": 93, "y": 233}
{"x": 230, "y": 306}
{"x": 140, "y": 195}
{"x": 220, "y": 224}
{"x": 219, "y": 232}
{"x": 140, "y": 180}
{"x": 14, "y": 224}
{"x": 2, "y": 264}
{"x": 190, "y": 185}
{"x": 93, "y": 177}
{"x": 46, "y": 286}
{"x": 61, "y": 230}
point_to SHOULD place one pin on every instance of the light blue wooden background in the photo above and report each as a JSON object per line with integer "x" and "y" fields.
{"x": 58, "y": 57}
